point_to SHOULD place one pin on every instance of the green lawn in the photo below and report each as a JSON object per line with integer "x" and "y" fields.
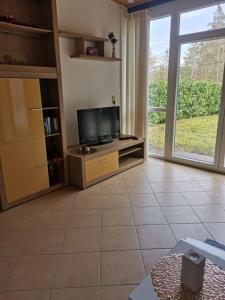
{"x": 195, "y": 135}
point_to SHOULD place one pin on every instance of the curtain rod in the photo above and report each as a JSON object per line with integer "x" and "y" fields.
{"x": 147, "y": 5}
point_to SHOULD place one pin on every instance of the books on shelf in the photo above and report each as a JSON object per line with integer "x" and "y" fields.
{"x": 51, "y": 125}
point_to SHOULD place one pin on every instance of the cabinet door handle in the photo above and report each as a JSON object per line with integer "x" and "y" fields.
{"x": 42, "y": 165}
{"x": 36, "y": 109}
{"x": 102, "y": 162}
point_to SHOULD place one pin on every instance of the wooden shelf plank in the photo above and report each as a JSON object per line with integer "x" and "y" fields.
{"x": 129, "y": 162}
{"x": 128, "y": 151}
{"x": 50, "y": 108}
{"x": 27, "y": 71}
{"x": 73, "y": 35}
{"x": 21, "y": 29}
{"x": 52, "y": 134}
{"x": 98, "y": 58}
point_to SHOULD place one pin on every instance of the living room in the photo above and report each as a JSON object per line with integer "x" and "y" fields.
{"x": 112, "y": 149}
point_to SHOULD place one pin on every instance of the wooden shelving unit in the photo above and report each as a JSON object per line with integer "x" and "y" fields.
{"x": 37, "y": 43}
{"x": 81, "y": 48}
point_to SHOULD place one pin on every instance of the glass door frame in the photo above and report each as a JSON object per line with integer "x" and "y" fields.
{"x": 176, "y": 41}
{"x": 221, "y": 132}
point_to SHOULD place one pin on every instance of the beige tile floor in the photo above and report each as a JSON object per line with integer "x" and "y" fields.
{"x": 101, "y": 242}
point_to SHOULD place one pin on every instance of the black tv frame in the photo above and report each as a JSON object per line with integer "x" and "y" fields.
{"x": 100, "y": 139}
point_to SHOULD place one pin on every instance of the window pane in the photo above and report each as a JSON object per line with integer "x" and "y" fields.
{"x": 158, "y": 85}
{"x": 204, "y": 19}
{"x": 198, "y": 100}
{"x": 156, "y": 132}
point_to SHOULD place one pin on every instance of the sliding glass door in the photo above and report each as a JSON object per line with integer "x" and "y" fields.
{"x": 186, "y": 106}
{"x": 198, "y": 100}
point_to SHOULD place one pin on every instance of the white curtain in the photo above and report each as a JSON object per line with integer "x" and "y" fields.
{"x": 135, "y": 60}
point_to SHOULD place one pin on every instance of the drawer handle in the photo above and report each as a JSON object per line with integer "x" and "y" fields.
{"x": 102, "y": 162}
{"x": 42, "y": 165}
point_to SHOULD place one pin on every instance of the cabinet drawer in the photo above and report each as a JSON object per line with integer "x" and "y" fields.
{"x": 101, "y": 166}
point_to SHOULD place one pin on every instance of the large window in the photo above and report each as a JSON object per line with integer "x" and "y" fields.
{"x": 204, "y": 19}
{"x": 186, "y": 107}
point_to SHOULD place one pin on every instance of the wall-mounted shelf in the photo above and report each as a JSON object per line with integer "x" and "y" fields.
{"x": 21, "y": 29}
{"x": 99, "y": 58}
{"x": 89, "y": 38}
{"x": 81, "y": 48}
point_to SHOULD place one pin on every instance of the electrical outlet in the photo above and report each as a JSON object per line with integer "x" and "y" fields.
{"x": 114, "y": 100}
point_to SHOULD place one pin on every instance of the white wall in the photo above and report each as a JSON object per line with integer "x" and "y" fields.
{"x": 87, "y": 84}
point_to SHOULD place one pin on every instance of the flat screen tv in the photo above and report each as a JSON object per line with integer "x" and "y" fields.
{"x": 99, "y": 125}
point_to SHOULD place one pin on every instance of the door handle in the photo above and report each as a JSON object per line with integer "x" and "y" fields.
{"x": 36, "y": 109}
{"x": 42, "y": 165}
{"x": 102, "y": 162}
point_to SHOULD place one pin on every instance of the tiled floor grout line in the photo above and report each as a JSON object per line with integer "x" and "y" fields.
{"x": 69, "y": 287}
{"x": 60, "y": 254}
{"x": 16, "y": 263}
{"x": 154, "y": 193}
{"x": 216, "y": 203}
{"x": 100, "y": 253}
{"x": 165, "y": 217}
{"x": 195, "y": 212}
{"x": 202, "y": 223}
{"x": 197, "y": 215}
{"x": 140, "y": 248}
{"x": 191, "y": 209}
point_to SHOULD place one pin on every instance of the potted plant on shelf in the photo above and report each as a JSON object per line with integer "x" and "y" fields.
{"x": 113, "y": 40}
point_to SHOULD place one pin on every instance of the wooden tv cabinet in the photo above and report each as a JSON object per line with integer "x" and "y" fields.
{"x": 108, "y": 160}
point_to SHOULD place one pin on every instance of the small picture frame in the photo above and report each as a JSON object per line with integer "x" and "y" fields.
{"x": 93, "y": 51}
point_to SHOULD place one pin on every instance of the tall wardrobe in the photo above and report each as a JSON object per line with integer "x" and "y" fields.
{"x": 32, "y": 133}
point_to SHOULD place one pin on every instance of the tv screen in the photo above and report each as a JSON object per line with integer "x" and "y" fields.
{"x": 97, "y": 124}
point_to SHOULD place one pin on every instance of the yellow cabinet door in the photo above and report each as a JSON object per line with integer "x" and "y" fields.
{"x": 20, "y": 110}
{"x": 24, "y": 168}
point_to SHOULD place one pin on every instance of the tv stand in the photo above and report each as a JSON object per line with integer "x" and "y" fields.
{"x": 108, "y": 160}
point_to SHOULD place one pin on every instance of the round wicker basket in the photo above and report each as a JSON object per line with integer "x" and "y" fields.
{"x": 166, "y": 279}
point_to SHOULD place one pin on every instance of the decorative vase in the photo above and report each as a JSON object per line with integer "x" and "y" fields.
{"x": 114, "y": 52}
